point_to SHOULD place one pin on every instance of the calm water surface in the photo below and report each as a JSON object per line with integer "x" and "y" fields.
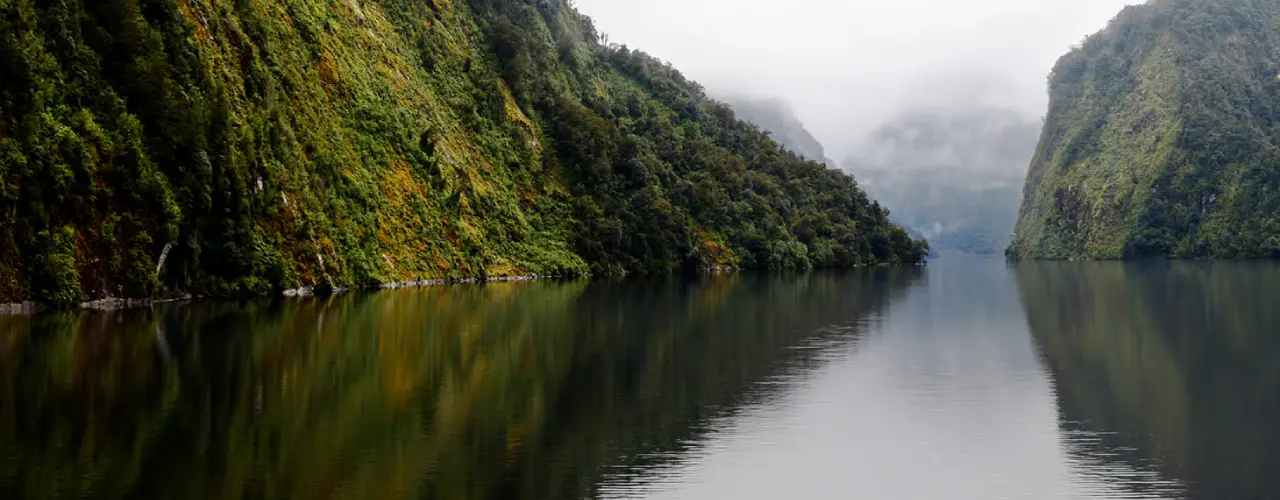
{"x": 970, "y": 379}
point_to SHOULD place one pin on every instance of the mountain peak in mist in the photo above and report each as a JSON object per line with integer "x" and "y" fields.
{"x": 989, "y": 141}
{"x": 953, "y": 176}
{"x": 775, "y": 116}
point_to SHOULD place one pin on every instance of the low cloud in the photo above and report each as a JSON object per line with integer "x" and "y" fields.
{"x": 849, "y": 67}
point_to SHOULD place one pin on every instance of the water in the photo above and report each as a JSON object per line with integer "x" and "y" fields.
{"x": 970, "y": 379}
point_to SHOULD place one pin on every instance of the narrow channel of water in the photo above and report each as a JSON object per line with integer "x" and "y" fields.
{"x": 969, "y": 379}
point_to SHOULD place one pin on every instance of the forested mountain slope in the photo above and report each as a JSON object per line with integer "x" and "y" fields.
{"x": 153, "y": 147}
{"x": 1161, "y": 138}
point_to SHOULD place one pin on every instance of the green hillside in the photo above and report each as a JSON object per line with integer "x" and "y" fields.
{"x": 155, "y": 147}
{"x": 1161, "y": 138}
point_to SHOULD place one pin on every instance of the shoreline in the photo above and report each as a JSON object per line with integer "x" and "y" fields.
{"x": 107, "y": 304}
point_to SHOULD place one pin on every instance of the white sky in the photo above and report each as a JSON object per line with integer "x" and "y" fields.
{"x": 847, "y": 66}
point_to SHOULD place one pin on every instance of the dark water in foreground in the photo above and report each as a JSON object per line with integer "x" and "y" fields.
{"x": 967, "y": 380}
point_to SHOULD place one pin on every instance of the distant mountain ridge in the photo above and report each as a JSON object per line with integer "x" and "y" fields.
{"x": 954, "y": 176}
{"x": 951, "y": 176}
{"x": 986, "y": 140}
{"x": 775, "y": 116}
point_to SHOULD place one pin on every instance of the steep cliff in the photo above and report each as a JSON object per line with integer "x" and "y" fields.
{"x": 1162, "y": 138}
{"x": 154, "y": 147}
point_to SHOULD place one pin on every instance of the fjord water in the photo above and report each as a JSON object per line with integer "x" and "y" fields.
{"x": 969, "y": 379}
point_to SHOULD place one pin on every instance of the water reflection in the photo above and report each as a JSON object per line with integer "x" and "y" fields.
{"x": 502, "y": 391}
{"x": 941, "y": 398}
{"x": 1133, "y": 381}
{"x": 1168, "y": 374}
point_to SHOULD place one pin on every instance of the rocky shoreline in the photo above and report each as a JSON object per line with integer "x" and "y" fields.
{"x": 115, "y": 303}
{"x": 21, "y": 308}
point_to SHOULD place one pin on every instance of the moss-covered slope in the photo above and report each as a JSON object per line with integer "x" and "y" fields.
{"x": 152, "y": 147}
{"x": 1161, "y": 138}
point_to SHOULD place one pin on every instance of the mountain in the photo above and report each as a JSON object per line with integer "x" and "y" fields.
{"x": 953, "y": 176}
{"x": 227, "y": 147}
{"x": 1161, "y": 138}
{"x": 777, "y": 118}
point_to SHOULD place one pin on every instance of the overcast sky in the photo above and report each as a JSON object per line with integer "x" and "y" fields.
{"x": 848, "y": 65}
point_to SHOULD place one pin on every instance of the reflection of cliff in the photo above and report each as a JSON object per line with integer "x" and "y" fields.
{"x": 503, "y": 391}
{"x": 1171, "y": 365}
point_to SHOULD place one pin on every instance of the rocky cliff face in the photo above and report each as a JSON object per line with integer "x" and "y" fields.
{"x": 1161, "y": 139}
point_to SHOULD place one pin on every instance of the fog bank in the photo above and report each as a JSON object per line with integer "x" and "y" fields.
{"x": 847, "y": 67}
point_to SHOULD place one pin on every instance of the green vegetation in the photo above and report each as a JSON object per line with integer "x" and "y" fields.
{"x": 1161, "y": 139}
{"x": 285, "y": 143}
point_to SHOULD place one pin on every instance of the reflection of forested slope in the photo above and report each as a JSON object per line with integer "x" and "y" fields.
{"x": 1180, "y": 362}
{"x": 519, "y": 391}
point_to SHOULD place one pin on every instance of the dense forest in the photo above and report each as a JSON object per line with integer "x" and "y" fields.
{"x": 225, "y": 147}
{"x": 953, "y": 176}
{"x": 1162, "y": 138}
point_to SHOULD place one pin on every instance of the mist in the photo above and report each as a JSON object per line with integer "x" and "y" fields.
{"x": 849, "y": 67}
